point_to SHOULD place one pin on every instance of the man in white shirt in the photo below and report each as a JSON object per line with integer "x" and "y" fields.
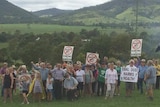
{"x": 111, "y": 78}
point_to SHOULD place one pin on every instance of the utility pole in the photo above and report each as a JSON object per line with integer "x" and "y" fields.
{"x": 137, "y": 17}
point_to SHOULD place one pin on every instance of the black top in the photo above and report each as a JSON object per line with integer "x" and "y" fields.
{"x": 7, "y": 81}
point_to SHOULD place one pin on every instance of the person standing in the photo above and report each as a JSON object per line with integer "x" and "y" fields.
{"x": 88, "y": 81}
{"x": 111, "y": 78}
{"x": 118, "y": 69}
{"x": 101, "y": 78}
{"x": 70, "y": 84}
{"x": 141, "y": 73}
{"x": 157, "y": 66}
{"x": 150, "y": 78}
{"x": 7, "y": 82}
{"x": 129, "y": 85}
{"x": 58, "y": 75}
{"x": 49, "y": 87}
{"x": 2, "y": 72}
{"x": 43, "y": 71}
{"x": 80, "y": 77}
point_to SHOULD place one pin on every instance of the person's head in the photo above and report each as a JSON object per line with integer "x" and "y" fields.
{"x": 103, "y": 65}
{"x": 42, "y": 64}
{"x": 131, "y": 62}
{"x": 111, "y": 65}
{"x": 156, "y": 62}
{"x": 92, "y": 67}
{"x": 87, "y": 67}
{"x": 5, "y": 64}
{"x": 49, "y": 75}
{"x": 150, "y": 63}
{"x": 59, "y": 66}
{"x": 118, "y": 63}
{"x": 67, "y": 76}
{"x": 143, "y": 62}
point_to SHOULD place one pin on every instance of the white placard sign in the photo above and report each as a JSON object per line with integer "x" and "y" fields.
{"x": 91, "y": 58}
{"x": 136, "y": 47}
{"x": 67, "y": 53}
{"x": 129, "y": 74}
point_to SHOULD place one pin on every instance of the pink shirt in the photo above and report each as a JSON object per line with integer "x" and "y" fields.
{"x": 111, "y": 76}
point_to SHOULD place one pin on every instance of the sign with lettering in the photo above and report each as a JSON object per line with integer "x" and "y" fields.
{"x": 129, "y": 74}
{"x": 136, "y": 47}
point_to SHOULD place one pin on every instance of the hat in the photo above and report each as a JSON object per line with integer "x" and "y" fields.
{"x": 13, "y": 66}
{"x": 23, "y": 66}
{"x": 143, "y": 60}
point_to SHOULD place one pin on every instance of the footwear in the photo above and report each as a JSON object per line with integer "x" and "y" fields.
{"x": 150, "y": 98}
{"x": 27, "y": 102}
{"x": 106, "y": 98}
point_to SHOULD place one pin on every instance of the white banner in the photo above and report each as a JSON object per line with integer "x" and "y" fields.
{"x": 136, "y": 47}
{"x": 129, "y": 74}
{"x": 67, "y": 53}
{"x": 91, "y": 58}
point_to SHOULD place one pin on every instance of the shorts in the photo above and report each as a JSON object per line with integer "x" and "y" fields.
{"x": 129, "y": 86}
{"x": 24, "y": 92}
{"x": 149, "y": 86}
{"x": 118, "y": 82}
{"x": 49, "y": 90}
{"x": 80, "y": 86}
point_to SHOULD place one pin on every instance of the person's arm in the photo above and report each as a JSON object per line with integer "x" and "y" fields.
{"x": 34, "y": 66}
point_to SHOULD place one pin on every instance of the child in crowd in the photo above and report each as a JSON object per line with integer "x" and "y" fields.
{"x": 49, "y": 87}
{"x": 25, "y": 89}
{"x": 37, "y": 88}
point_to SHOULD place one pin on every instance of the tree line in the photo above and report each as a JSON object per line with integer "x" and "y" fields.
{"x": 49, "y": 47}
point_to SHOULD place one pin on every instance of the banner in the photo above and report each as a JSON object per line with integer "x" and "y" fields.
{"x": 67, "y": 53}
{"x": 129, "y": 74}
{"x": 91, "y": 58}
{"x": 136, "y": 47}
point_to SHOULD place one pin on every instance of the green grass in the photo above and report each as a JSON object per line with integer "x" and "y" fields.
{"x": 137, "y": 100}
{"x": 41, "y": 28}
{"x": 48, "y": 28}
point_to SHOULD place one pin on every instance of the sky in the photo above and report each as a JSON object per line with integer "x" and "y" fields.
{"x": 35, "y": 5}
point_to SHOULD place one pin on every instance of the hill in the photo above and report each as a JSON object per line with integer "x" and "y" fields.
{"x": 54, "y": 12}
{"x": 115, "y": 11}
{"x": 10, "y": 13}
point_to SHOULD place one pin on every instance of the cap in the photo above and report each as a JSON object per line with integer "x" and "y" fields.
{"x": 143, "y": 60}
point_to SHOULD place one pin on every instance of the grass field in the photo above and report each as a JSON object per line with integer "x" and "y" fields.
{"x": 137, "y": 100}
{"x": 40, "y": 28}
{"x": 48, "y": 28}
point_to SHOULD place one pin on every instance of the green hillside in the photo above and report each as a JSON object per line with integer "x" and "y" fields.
{"x": 10, "y": 13}
{"x": 116, "y": 11}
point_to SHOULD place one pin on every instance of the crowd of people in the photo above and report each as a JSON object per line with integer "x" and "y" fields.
{"x": 47, "y": 82}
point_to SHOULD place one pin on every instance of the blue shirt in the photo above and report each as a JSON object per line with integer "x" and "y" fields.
{"x": 43, "y": 71}
{"x": 151, "y": 72}
{"x": 142, "y": 70}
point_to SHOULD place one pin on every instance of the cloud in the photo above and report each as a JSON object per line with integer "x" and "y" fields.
{"x": 34, "y": 5}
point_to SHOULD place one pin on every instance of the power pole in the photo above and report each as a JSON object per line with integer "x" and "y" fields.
{"x": 137, "y": 7}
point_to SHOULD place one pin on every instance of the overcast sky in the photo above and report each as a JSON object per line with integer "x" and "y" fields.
{"x": 34, "y": 5}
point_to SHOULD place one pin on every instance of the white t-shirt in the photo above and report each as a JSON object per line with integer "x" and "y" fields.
{"x": 79, "y": 75}
{"x": 49, "y": 85}
{"x": 111, "y": 76}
